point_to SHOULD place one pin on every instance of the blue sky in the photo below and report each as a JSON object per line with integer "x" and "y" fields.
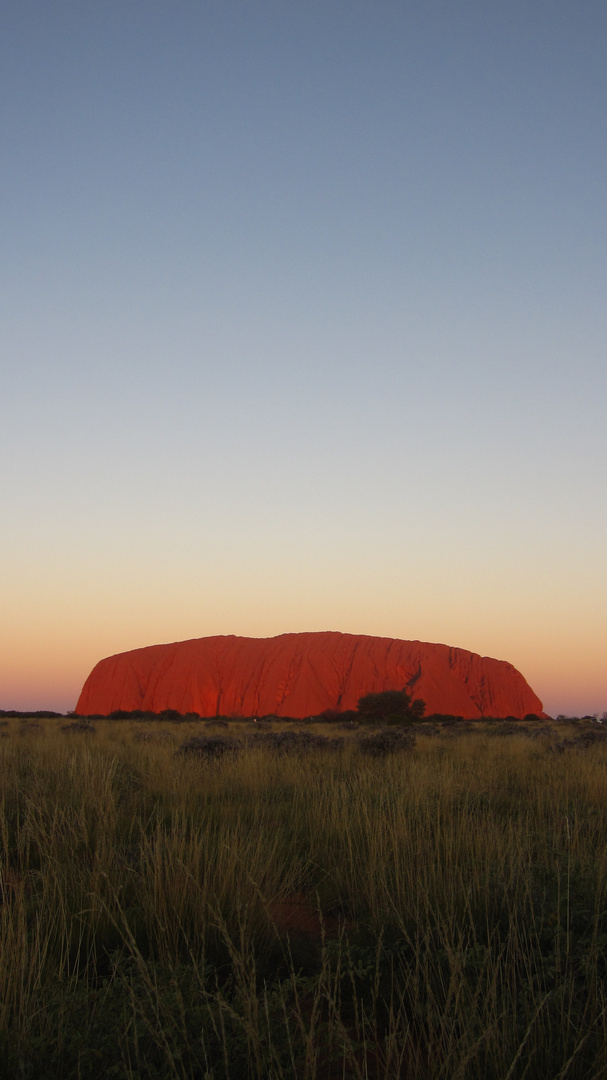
{"x": 303, "y": 328}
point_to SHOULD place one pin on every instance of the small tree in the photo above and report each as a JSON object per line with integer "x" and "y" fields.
{"x": 390, "y": 707}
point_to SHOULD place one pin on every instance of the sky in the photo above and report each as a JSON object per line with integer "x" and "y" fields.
{"x": 303, "y": 327}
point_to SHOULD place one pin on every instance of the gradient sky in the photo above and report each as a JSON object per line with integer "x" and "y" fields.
{"x": 303, "y": 328}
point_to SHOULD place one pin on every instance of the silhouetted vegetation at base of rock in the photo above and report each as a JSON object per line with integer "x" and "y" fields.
{"x": 382, "y": 714}
{"x": 271, "y": 718}
{"x": 172, "y": 716}
{"x": 393, "y": 708}
{"x": 136, "y": 714}
{"x": 390, "y": 707}
{"x": 330, "y": 716}
{"x": 40, "y": 714}
{"x": 349, "y": 716}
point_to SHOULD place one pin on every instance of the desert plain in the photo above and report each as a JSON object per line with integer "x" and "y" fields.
{"x": 243, "y": 899}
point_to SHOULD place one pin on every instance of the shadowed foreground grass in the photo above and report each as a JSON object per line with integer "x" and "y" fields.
{"x": 440, "y": 912}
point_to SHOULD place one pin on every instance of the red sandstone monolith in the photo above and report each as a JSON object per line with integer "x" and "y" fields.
{"x": 302, "y": 675}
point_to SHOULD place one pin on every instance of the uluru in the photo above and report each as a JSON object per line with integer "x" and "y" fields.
{"x": 301, "y": 675}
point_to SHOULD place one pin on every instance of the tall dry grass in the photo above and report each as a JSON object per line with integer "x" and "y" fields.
{"x": 438, "y": 913}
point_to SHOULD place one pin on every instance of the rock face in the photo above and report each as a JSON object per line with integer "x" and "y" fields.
{"x": 301, "y": 675}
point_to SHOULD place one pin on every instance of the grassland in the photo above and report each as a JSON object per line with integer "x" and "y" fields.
{"x": 439, "y": 913}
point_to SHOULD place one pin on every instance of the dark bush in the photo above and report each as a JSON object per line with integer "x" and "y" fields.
{"x": 154, "y": 736}
{"x": 38, "y": 714}
{"x": 129, "y": 714}
{"x": 292, "y": 742}
{"x": 349, "y": 715}
{"x": 173, "y": 716}
{"x": 329, "y": 716}
{"x": 387, "y": 741}
{"x": 79, "y": 727}
{"x": 209, "y": 746}
{"x": 390, "y": 707}
{"x": 586, "y": 739}
{"x": 335, "y": 716}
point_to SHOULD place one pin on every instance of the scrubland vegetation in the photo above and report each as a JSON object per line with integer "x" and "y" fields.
{"x": 433, "y": 909}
